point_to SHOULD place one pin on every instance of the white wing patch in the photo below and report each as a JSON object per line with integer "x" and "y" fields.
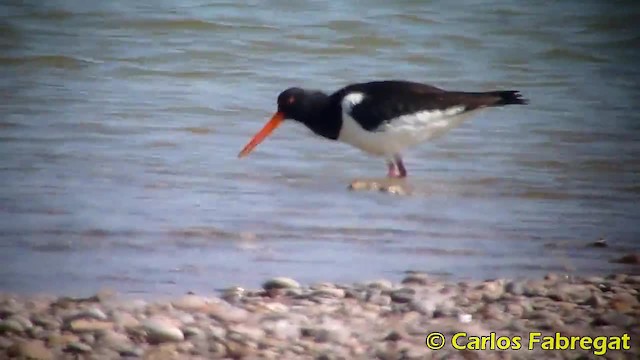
{"x": 399, "y": 133}
{"x": 351, "y": 100}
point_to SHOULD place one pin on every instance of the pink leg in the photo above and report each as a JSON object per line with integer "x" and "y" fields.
{"x": 396, "y": 168}
{"x": 393, "y": 170}
{"x": 400, "y": 165}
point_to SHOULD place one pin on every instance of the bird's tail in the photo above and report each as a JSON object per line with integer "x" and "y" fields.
{"x": 507, "y": 97}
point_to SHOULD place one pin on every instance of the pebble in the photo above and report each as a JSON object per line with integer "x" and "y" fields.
{"x": 227, "y": 313}
{"x": 64, "y": 339}
{"x": 90, "y": 325}
{"x": 514, "y": 287}
{"x": 328, "y": 292}
{"x": 161, "y": 330}
{"x": 614, "y": 318}
{"x": 535, "y": 288}
{"x": 243, "y": 332}
{"x": 280, "y": 283}
{"x": 600, "y": 243}
{"x": 30, "y": 349}
{"x": 379, "y": 319}
{"x": 465, "y": 318}
{"x": 5, "y": 342}
{"x": 78, "y": 348}
{"x": 416, "y": 279}
{"x": 424, "y": 306}
{"x": 190, "y": 303}
{"x": 630, "y": 259}
{"x": 193, "y": 332}
{"x": 595, "y": 301}
{"x": 381, "y": 284}
{"x": 45, "y": 322}
{"x": 379, "y": 299}
{"x": 90, "y": 313}
{"x": 403, "y": 295}
{"x": 116, "y": 341}
{"x": 492, "y": 290}
{"x": 11, "y": 326}
{"x": 125, "y": 320}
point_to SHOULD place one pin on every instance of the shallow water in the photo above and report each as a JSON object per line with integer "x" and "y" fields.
{"x": 121, "y": 121}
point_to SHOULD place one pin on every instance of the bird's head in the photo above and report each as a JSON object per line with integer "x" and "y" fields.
{"x": 292, "y": 104}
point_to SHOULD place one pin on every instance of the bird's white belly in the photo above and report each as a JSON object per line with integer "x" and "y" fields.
{"x": 402, "y": 132}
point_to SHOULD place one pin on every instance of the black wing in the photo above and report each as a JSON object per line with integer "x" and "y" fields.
{"x": 385, "y": 100}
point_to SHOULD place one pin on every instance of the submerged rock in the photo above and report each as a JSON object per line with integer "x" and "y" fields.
{"x": 387, "y": 185}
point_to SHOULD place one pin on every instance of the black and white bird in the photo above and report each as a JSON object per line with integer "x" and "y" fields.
{"x": 382, "y": 118}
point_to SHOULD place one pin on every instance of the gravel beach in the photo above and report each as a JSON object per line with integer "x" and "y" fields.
{"x": 374, "y": 320}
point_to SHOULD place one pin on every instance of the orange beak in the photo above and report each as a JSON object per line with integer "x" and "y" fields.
{"x": 275, "y": 121}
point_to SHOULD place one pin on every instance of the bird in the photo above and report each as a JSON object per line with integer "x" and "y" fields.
{"x": 382, "y": 118}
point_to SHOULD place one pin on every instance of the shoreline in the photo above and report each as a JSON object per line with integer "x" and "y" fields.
{"x": 373, "y": 320}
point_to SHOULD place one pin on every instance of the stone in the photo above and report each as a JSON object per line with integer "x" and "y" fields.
{"x": 379, "y": 299}
{"x": 492, "y": 290}
{"x": 415, "y": 278}
{"x": 89, "y": 313}
{"x": 328, "y": 292}
{"x": 623, "y": 302}
{"x": 217, "y": 333}
{"x": 393, "y": 336}
{"x": 276, "y": 307}
{"x": 45, "y": 321}
{"x": 282, "y": 329}
{"x": 630, "y": 259}
{"x": 5, "y": 343}
{"x": 515, "y": 310}
{"x": 600, "y": 243}
{"x": 403, "y": 295}
{"x": 23, "y": 321}
{"x": 162, "y": 352}
{"x": 280, "y": 283}
{"x": 117, "y": 342}
{"x": 190, "y": 303}
{"x": 515, "y": 287}
{"x": 11, "y": 326}
{"x": 381, "y": 284}
{"x": 89, "y": 325}
{"x": 423, "y": 306}
{"x": 57, "y": 339}
{"x": 534, "y": 288}
{"x": 239, "y": 350}
{"x": 465, "y": 318}
{"x": 30, "y": 349}
{"x": 227, "y": 313}
{"x": 233, "y": 294}
{"x": 125, "y": 320}
{"x": 78, "y": 348}
{"x": 577, "y": 293}
{"x": 161, "y": 330}
{"x": 193, "y": 332}
{"x": 242, "y": 333}
{"x": 595, "y": 301}
{"x": 613, "y": 318}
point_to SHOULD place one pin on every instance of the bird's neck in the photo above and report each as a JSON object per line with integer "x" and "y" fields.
{"x": 323, "y": 117}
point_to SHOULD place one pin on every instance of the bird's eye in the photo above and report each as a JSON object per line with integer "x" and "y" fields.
{"x": 291, "y": 100}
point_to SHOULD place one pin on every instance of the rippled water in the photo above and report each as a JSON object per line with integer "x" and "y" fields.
{"x": 120, "y": 122}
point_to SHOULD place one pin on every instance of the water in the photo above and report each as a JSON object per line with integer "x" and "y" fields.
{"x": 120, "y": 123}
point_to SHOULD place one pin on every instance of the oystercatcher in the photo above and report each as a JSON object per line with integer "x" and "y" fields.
{"x": 382, "y": 118}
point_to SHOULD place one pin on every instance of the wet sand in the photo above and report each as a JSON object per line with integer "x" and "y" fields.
{"x": 372, "y": 320}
